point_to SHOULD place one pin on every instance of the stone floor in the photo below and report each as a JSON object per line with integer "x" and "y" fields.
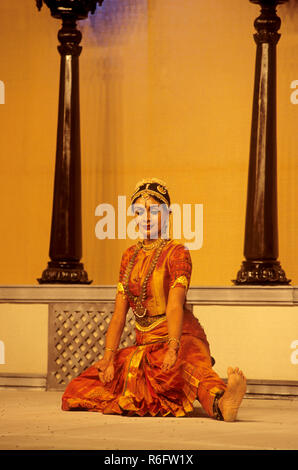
{"x": 33, "y": 420}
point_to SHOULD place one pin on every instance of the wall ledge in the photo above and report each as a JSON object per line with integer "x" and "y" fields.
{"x": 197, "y": 295}
{"x": 23, "y": 381}
{"x": 255, "y": 388}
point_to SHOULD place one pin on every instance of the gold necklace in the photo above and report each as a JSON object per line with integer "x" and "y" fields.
{"x": 150, "y": 246}
{"x": 138, "y": 309}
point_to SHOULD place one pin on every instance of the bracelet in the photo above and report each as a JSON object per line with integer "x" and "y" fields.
{"x": 174, "y": 339}
{"x": 109, "y": 349}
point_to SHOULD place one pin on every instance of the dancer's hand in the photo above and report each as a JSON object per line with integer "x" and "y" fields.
{"x": 169, "y": 359}
{"x": 108, "y": 374}
{"x": 105, "y": 369}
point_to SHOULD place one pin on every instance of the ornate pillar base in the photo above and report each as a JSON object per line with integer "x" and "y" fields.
{"x": 59, "y": 272}
{"x": 261, "y": 272}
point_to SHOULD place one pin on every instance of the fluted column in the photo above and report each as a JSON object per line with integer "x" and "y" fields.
{"x": 261, "y": 230}
{"x": 66, "y": 228}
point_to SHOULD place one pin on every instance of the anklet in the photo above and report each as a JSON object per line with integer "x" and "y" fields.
{"x": 217, "y": 414}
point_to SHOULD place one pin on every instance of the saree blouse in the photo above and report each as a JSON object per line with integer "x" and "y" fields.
{"x": 173, "y": 269}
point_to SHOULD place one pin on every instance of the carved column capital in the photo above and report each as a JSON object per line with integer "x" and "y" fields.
{"x": 268, "y": 23}
{"x": 77, "y": 8}
{"x": 70, "y": 38}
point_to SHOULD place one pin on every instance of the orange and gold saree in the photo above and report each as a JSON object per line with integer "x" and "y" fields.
{"x": 140, "y": 386}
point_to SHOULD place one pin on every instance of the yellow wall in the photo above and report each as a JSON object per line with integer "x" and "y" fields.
{"x": 166, "y": 91}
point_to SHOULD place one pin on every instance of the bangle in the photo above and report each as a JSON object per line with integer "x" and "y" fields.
{"x": 109, "y": 349}
{"x": 174, "y": 339}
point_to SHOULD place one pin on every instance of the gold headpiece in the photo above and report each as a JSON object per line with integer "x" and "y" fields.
{"x": 150, "y": 180}
{"x": 159, "y": 189}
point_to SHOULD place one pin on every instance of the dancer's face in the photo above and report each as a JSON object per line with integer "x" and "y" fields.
{"x": 151, "y": 217}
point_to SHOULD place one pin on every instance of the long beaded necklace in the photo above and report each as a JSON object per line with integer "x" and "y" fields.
{"x": 139, "y": 310}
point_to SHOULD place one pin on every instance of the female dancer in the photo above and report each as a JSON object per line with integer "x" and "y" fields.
{"x": 170, "y": 365}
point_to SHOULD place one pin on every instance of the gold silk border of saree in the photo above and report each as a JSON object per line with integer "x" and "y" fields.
{"x": 153, "y": 325}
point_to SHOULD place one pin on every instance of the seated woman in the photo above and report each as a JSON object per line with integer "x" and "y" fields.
{"x": 170, "y": 365}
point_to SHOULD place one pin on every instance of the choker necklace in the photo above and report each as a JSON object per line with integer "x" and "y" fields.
{"x": 138, "y": 308}
{"x": 150, "y": 246}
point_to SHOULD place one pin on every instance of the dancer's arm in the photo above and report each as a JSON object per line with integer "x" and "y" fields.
{"x": 180, "y": 267}
{"x": 174, "y": 312}
{"x": 116, "y": 325}
{"x": 106, "y": 365}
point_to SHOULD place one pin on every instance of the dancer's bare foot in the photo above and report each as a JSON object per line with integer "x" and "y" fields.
{"x": 232, "y": 398}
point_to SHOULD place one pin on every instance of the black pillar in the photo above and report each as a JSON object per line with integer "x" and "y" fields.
{"x": 261, "y": 230}
{"x": 66, "y": 229}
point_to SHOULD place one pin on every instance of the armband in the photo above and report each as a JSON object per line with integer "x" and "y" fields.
{"x": 120, "y": 289}
{"x": 181, "y": 280}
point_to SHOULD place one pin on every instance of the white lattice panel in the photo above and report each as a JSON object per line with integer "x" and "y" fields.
{"x": 77, "y": 339}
